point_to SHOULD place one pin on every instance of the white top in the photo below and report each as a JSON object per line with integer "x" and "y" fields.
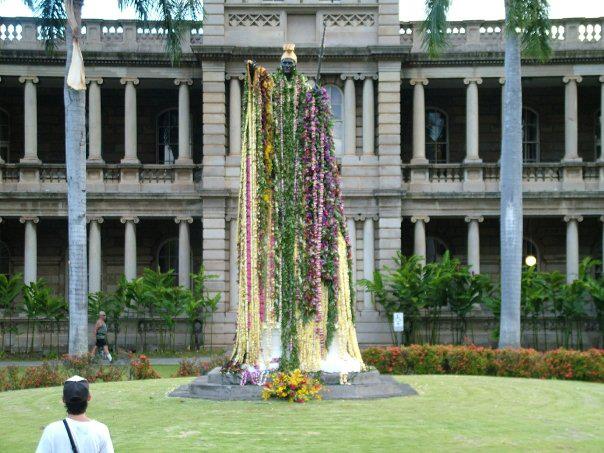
{"x": 89, "y": 437}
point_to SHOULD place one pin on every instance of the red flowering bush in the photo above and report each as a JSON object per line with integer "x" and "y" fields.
{"x": 84, "y": 365}
{"x": 197, "y": 367}
{"x": 580, "y": 366}
{"x": 44, "y": 375}
{"x": 109, "y": 374}
{"x": 10, "y": 378}
{"x": 474, "y": 360}
{"x": 140, "y": 368}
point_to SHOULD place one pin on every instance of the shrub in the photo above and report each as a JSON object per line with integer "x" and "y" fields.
{"x": 109, "y": 374}
{"x": 473, "y": 360}
{"x": 10, "y": 378}
{"x": 140, "y": 368}
{"x": 294, "y": 387}
{"x": 580, "y": 366}
{"x": 197, "y": 367}
{"x": 45, "y": 375}
{"x": 84, "y": 366}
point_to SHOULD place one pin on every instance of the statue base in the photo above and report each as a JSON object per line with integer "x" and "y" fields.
{"x": 362, "y": 385}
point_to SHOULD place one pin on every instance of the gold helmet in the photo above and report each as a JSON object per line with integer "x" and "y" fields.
{"x": 288, "y": 52}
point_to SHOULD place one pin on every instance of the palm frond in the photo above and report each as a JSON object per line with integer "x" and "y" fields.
{"x": 50, "y": 16}
{"x": 175, "y": 15}
{"x": 530, "y": 18}
{"x": 434, "y": 27}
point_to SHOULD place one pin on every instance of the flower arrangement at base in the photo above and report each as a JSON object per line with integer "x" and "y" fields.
{"x": 295, "y": 386}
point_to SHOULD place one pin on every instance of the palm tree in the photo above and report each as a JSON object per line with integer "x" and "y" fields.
{"x": 62, "y": 19}
{"x": 526, "y": 29}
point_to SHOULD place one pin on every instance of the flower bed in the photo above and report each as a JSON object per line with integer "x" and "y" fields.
{"x": 474, "y": 360}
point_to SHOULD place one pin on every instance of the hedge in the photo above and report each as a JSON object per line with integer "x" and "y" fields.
{"x": 475, "y": 360}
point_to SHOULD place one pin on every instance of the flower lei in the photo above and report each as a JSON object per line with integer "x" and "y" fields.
{"x": 294, "y": 252}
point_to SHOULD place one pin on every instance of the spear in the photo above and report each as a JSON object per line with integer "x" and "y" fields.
{"x": 321, "y": 52}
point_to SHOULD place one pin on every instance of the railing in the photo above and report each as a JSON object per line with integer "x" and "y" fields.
{"x": 445, "y": 173}
{"x": 53, "y": 173}
{"x": 148, "y": 174}
{"x": 472, "y": 36}
{"x": 542, "y": 172}
{"x": 542, "y": 176}
{"x": 156, "y": 174}
{"x": 10, "y": 173}
{"x": 21, "y": 33}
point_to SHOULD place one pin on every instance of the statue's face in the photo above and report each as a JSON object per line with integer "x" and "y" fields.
{"x": 287, "y": 66}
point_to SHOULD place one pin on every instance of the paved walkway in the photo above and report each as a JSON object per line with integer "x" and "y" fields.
{"x": 154, "y": 361}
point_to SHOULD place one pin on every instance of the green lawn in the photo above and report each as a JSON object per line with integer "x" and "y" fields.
{"x": 451, "y": 412}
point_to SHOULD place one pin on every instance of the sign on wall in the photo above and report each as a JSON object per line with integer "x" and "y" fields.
{"x": 398, "y": 322}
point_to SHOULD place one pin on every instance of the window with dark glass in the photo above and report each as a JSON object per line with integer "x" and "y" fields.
{"x": 530, "y": 136}
{"x": 4, "y": 259}
{"x": 437, "y": 136}
{"x": 167, "y": 137}
{"x": 598, "y": 135}
{"x": 435, "y": 249}
{"x": 4, "y": 135}
{"x": 337, "y": 109}
{"x": 167, "y": 257}
{"x": 530, "y": 253}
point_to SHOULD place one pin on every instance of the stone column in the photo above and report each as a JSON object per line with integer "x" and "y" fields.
{"x": 130, "y": 117}
{"x": 570, "y": 118}
{"x": 184, "y": 120}
{"x": 368, "y": 117}
{"x": 30, "y": 258}
{"x": 474, "y": 243}
{"x": 234, "y": 117}
{"x": 95, "y": 270}
{"x": 350, "y": 117}
{"x": 419, "y": 122}
{"x": 233, "y": 265}
{"x": 94, "y": 120}
{"x": 472, "y": 119}
{"x": 368, "y": 258}
{"x": 572, "y": 246}
{"x": 130, "y": 246}
{"x": 30, "y": 119}
{"x": 419, "y": 237}
{"x": 184, "y": 251}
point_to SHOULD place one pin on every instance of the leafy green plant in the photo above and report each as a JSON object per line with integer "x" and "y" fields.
{"x": 200, "y": 306}
{"x": 594, "y": 285}
{"x": 10, "y": 289}
{"x": 534, "y": 295}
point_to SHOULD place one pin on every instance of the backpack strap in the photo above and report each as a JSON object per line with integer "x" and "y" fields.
{"x": 71, "y": 441}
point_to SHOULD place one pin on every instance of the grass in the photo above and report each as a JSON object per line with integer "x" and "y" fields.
{"x": 451, "y": 412}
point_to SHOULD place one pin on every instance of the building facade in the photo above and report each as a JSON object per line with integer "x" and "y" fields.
{"x": 418, "y": 141}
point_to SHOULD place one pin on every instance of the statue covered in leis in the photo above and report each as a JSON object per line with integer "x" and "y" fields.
{"x": 296, "y": 295}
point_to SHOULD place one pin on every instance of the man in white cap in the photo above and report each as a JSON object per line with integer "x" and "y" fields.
{"x": 77, "y": 433}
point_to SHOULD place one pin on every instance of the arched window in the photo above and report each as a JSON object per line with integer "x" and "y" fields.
{"x": 437, "y": 136}
{"x": 4, "y": 135}
{"x": 4, "y": 259}
{"x": 167, "y": 257}
{"x": 337, "y": 110}
{"x": 167, "y": 136}
{"x": 530, "y": 136}
{"x": 530, "y": 253}
{"x": 598, "y": 135}
{"x": 435, "y": 249}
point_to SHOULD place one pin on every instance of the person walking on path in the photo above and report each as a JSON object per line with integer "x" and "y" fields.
{"x": 100, "y": 331}
{"x": 77, "y": 433}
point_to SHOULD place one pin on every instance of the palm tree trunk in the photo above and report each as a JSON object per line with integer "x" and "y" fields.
{"x": 511, "y": 193}
{"x": 75, "y": 156}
